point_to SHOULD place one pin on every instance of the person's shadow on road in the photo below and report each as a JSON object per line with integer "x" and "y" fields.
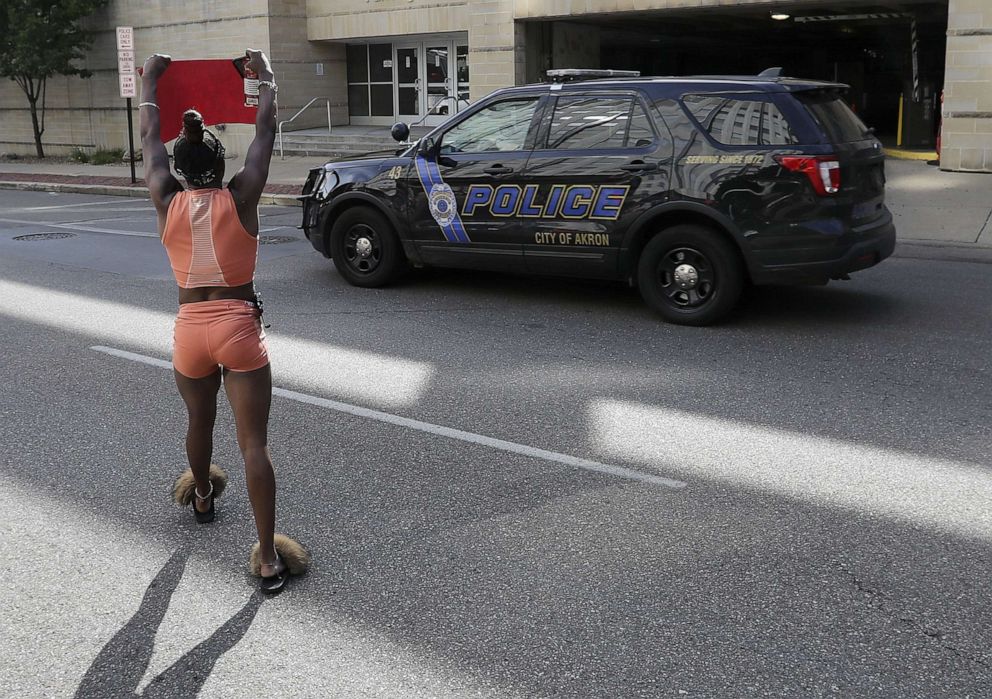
{"x": 123, "y": 661}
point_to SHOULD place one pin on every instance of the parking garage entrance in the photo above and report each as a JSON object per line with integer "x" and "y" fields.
{"x": 892, "y": 54}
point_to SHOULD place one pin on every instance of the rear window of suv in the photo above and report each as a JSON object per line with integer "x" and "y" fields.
{"x": 833, "y": 115}
{"x": 741, "y": 121}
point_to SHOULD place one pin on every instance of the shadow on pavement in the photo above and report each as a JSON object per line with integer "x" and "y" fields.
{"x": 766, "y": 307}
{"x": 119, "y": 667}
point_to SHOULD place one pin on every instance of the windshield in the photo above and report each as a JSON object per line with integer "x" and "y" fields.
{"x": 834, "y": 116}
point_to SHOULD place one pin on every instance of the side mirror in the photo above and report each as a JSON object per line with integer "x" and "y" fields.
{"x": 427, "y": 147}
{"x": 400, "y": 131}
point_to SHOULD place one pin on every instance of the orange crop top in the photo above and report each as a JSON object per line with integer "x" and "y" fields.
{"x": 206, "y": 241}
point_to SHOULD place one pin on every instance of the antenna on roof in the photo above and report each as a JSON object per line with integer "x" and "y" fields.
{"x": 771, "y": 72}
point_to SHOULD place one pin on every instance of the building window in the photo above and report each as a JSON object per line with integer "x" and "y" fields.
{"x": 370, "y": 80}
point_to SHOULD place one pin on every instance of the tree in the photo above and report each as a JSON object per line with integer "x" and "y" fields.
{"x": 39, "y": 39}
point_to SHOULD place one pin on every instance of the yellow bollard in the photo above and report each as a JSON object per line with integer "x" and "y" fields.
{"x": 899, "y": 127}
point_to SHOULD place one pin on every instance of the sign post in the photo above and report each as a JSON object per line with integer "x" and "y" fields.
{"x": 125, "y": 76}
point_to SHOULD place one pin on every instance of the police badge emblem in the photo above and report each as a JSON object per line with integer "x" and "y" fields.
{"x": 442, "y": 204}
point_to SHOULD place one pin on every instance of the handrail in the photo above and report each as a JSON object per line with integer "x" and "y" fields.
{"x": 303, "y": 109}
{"x": 432, "y": 111}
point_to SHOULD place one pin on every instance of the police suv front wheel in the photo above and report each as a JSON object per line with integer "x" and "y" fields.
{"x": 365, "y": 248}
{"x": 690, "y": 275}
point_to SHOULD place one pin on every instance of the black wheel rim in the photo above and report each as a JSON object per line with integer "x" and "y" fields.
{"x": 686, "y": 278}
{"x": 362, "y": 249}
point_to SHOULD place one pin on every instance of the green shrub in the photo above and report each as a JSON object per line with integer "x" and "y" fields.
{"x": 107, "y": 156}
{"x": 79, "y": 155}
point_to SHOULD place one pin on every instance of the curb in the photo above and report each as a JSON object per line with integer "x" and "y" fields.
{"x": 280, "y": 200}
{"x": 117, "y": 191}
{"x": 903, "y": 154}
{"x": 60, "y": 188}
{"x": 942, "y": 251}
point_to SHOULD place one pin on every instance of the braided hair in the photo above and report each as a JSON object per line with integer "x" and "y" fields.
{"x": 197, "y": 151}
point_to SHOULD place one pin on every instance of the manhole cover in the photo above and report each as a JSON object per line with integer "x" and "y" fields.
{"x": 276, "y": 239}
{"x": 44, "y": 236}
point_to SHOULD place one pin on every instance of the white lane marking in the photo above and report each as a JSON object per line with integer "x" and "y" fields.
{"x": 113, "y": 231}
{"x": 79, "y": 227}
{"x": 431, "y": 428}
{"x": 124, "y": 354}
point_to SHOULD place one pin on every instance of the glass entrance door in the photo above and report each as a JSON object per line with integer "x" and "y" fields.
{"x": 408, "y": 69}
{"x": 441, "y": 100}
{"x": 431, "y": 81}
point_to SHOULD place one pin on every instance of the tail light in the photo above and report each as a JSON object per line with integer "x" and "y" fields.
{"x": 823, "y": 171}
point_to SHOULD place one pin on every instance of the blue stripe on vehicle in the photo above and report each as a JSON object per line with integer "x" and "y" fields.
{"x": 424, "y": 174}
{"x": 433, "y": 177}
{"x": 457, "y": 226}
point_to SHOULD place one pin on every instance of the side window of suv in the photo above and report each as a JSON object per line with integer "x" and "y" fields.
{"x": 500, "y": 127}
{"x": 586, "y": 123}
{"x": 739, "y": 121}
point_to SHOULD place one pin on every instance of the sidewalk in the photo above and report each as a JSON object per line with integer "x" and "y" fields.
{"x": 931, "y": 207}
{"x": 286, "y": 178}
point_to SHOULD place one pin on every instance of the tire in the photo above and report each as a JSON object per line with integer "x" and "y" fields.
{"x": 690, "y": 275}
{"x": 365, "y": 248}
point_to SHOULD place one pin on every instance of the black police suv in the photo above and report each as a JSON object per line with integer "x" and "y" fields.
{"x": 687, "y": 187}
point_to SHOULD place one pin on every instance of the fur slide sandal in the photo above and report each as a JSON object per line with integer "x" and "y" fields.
{"x": 184, "y": 491}
{"x": 293, "y": 556}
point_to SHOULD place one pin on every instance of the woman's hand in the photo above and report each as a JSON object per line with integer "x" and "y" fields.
{"x": 155, "y": 65}
{"x": 259, "y": 63}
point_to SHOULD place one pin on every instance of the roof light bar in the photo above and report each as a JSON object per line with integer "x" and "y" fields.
{"x": 564, "y": 75}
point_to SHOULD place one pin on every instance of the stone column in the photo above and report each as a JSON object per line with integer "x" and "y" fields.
{"x": 305, "y": 69}
{"x": 493, "y": 58}
{"x": 967, "y": 110}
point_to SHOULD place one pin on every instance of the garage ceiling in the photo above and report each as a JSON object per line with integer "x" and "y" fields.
{"x": 754, "y": 24}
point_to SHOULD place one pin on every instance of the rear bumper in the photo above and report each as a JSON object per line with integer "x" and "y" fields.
{"x": 862, "y": 247}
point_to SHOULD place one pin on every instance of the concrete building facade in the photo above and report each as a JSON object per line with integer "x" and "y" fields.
{"x": 378, "y": 61}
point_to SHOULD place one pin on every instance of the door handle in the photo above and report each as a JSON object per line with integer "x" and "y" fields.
{"x": 639, "y": 166}
{"x": 497, "y": 170}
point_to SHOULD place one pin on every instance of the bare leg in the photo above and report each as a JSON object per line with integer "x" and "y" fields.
{"x": 200, "y": 396}
{"x": 250, "y": 394}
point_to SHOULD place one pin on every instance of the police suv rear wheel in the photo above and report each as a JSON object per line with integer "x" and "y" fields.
{"x": 365, "y": 248}
{"x": 690, "y": 275}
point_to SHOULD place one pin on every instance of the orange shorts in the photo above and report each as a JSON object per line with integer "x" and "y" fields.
{"x": 227, "y": 332}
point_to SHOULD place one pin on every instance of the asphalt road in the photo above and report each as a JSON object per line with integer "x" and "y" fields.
{"x": 510, "y": 487}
